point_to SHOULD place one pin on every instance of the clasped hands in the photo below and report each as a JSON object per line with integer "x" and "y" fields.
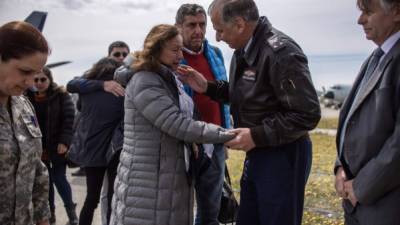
{"x": 344, "y": 187}
{"x": 242, "y": 140}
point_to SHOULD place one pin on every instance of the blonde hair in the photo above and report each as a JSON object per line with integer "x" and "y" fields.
{"x": 148, "y": 58}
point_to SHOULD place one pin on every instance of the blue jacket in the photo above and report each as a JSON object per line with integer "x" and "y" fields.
{"x": 216, "y": 62}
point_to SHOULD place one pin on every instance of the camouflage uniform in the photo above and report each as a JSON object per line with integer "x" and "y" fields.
{"x": 24, "y": 182}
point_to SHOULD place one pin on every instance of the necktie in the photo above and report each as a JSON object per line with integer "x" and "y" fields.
{"x": 372, "y": 64}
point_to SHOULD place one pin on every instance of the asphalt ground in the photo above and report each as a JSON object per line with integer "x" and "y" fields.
{"x": 78, "y": 186}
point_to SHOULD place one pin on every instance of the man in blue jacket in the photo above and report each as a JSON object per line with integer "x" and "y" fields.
{"x": 191, "y": 19}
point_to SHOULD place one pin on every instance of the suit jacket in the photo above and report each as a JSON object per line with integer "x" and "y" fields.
{"x": 372, "y": 143}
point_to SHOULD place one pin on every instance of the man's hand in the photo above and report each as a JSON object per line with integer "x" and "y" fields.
{"x": 44, "y": 222}
{"x": 339, "y": 182}
{"x": 243, "y": 140}
{"x": 348, "y": 188}
{"x": 114, "y": 88}
{"x": 61, "y": 148}
{"x": 194, "y": 79}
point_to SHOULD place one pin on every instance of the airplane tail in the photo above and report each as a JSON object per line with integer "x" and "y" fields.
{"x": 37, "y": 19}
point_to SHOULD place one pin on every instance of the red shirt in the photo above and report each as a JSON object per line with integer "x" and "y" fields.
{"x": 209, "y": 109}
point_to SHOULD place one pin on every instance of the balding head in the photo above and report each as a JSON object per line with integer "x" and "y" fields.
{"x": 230, "y": 9}
{"x": 234, "y": 21}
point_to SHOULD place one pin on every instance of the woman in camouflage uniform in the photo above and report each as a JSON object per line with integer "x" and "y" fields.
{"x": 23, "y": 177}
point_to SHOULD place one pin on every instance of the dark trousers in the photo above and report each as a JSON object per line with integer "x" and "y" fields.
{"x": 57, "y": 176}
{"x": 273, "y": 183}
{"x": 94, "y": 182}
{"x": 209, "y": 178}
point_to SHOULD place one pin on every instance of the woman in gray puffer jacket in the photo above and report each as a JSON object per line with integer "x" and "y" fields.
{"x": 152, "y": 186}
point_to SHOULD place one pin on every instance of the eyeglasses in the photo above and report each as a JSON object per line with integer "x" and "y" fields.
{"x": 118, "y": 54}
{"x": 42, "y": 80}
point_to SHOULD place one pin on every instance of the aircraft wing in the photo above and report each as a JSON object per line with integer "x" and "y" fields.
{"x": 37, "y": 19}
{"x": 52, "y": 65}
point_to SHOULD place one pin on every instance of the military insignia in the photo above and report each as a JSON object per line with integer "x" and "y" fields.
{"x": 34, "y": 121}
{"x": 31, "y": 124}
{"x": 276, "y": 42}
{"x": 249, "y": 74}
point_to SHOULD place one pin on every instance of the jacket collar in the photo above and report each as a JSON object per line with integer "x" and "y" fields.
{"x": 50, "y": 95}
{"x": 263, "y": 27}
{"x": 166, "y": 73}
{"x": 390, "y": 42}
{"x": 191, "y": 52}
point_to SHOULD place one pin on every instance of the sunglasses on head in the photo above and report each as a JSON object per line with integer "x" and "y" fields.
{"x": 42, "y": 79}
{"x": 118, "y": 54}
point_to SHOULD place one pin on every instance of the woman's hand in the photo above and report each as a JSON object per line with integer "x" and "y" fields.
{"x": 193, "y": 78}
{"x": 61, "y": 149}
{"x": 114, "y": 88}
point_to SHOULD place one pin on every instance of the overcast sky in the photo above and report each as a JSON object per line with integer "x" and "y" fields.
{"x": 81, "y": 30}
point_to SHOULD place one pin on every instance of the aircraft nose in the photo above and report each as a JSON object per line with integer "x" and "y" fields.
{"x": 329, "y": 94}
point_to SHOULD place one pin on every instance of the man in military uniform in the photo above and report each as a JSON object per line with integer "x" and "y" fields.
{"x": 273, "y": 104}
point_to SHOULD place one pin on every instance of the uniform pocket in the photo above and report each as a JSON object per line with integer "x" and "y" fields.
{"x": 4, "y": 135}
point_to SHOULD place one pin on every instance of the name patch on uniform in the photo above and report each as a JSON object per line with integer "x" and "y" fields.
{"x": 250, "y": 74}
{"x": 34, "y": 121}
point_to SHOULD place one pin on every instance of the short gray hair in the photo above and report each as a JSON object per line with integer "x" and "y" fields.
{"x": 387, "y": 5}
{"x": 188, "y": 10}
{"x": 247, "y": 9}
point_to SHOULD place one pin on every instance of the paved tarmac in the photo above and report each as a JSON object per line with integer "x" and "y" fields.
{"x": 329, "y": 112}
{"x": 78, "y": 185}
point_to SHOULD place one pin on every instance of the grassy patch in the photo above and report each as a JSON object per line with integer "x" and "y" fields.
{"x": 322, "y": 206}
{"x": 235, "y": 167}
{"x": 328, "y": 123}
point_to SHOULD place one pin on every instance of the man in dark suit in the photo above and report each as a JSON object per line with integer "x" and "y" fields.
{"x": 368, "y": 141}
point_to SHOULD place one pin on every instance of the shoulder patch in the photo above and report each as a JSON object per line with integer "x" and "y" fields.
{"x": 24, "y": 100}
{"x": 276, "y": 42}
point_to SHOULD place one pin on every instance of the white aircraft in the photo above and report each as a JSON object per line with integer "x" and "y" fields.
{"x": 335, "y": 95}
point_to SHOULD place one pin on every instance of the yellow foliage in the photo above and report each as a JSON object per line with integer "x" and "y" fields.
{"x": 328, "y": 123}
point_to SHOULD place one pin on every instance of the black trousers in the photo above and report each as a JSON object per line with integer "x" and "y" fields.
{"x": 273, "y": 183}
{"x": 94, "y": 182}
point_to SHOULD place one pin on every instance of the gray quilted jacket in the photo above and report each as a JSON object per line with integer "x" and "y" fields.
{"x": 152, "y": 185}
